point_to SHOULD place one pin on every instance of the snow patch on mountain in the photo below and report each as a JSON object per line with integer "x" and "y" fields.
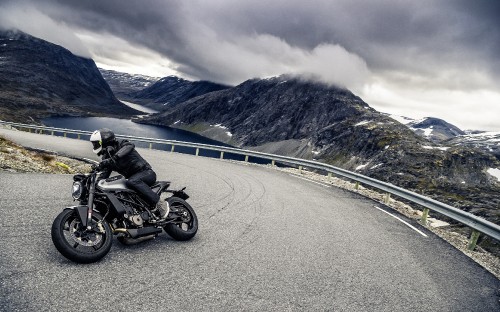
{"x": 223, "y": 127}
{"x": 402, "y": 119}
{"x": 427, "y": 131}
{"x": 494, "y": 172}
{"x": 491, "y": 137}
{"x": 435, "y": 147}
{"x": 364, "y": 122}
{"x": 361, "y": 167}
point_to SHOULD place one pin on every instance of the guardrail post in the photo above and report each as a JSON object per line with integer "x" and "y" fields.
{"x": 65, "y": 134}
{"x": 29, "y": 130}
{"x": 329, "y": 177}
{"x": 197, "y": 151}
{"x": 246, "y": 158}
{"x": 387, "y": 197}
{"x": 172, "y": 149}
{"x": 221, "y": 155}
{"x": 52, "y": 133}
{"x": 356, "y": 185}
{"x": 473, "y": 240}
{"x": 150, "y": 145}
{"x": 300, "y": 169}
{"x": 78, "y": 136}
{"x": 273, "y": 163}
{"x": 425, "y": 214}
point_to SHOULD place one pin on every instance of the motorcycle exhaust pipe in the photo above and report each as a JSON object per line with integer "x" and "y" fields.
{"x": 136, "y": 233}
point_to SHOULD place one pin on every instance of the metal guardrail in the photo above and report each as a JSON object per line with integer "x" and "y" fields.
{"x": 479, "y": 225}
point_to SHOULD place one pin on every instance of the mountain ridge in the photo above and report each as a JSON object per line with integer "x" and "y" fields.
{"x": 39, "y": 79}
{"x": 170, "y": 91}
{"x": 122, "y": 84}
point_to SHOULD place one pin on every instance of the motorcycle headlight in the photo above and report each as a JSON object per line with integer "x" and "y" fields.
{"x": 77, "y": 190}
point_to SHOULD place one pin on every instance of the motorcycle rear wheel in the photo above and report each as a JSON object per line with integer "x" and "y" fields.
{"x": 187, "y": 225}
{"x": 75, "y": 242}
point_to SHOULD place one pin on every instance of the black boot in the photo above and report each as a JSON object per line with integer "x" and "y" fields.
{"x": 162, "y": 209}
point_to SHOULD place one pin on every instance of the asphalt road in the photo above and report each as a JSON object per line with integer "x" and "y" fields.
{"x": 267, "y": 241}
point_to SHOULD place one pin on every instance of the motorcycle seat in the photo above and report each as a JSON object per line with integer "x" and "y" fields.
{"x": 160, "y": 186}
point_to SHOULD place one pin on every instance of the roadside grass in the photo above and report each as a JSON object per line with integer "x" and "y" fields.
{"x": 15, "y": 158}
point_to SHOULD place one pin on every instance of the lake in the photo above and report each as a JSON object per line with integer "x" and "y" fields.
{"x": 127, "y": 127}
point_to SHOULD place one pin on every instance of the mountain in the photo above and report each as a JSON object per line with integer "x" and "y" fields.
{"x": 488, "y": 142}
{"x": 39, "y": 79}
{"x": 440, "y": 131}
{"x": 434, "y": 129}
{"x": 260, "y": 111}
{"x": 122, "y": 84}
{"x": 170, "y": 91}
{"x": 291, "y": 116}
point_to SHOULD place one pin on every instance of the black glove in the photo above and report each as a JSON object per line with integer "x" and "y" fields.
{"x": 110, "y": 150}
{"x": 106, "y": 163}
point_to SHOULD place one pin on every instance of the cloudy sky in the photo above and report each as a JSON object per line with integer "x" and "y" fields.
{"x": 412, "y": 58}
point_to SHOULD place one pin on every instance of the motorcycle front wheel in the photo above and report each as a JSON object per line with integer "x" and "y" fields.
{"x": 77, "y": 243}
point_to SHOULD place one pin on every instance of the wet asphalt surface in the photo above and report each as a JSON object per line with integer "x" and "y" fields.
{"x": 267, "y": 241}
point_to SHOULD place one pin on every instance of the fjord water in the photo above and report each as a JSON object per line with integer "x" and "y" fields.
{"x": 127, "y": 127}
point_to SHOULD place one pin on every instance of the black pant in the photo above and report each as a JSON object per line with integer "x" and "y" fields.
{"x": 141, "y": 182}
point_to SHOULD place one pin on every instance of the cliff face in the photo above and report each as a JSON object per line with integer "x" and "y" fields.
{"x": 39, "y": 79}
{"x": 293, "y": 117}
{"x": 170, "y": 91}
{"x": 123, "y": 84}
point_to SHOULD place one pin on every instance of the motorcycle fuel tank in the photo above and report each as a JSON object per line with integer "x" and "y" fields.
{"x": 116, "y": 183}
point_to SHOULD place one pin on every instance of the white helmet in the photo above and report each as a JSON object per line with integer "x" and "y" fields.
{"x": 100, "y": 138}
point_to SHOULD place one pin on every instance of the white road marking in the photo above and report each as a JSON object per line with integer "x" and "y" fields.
{"x": 411, "y": 226}
{"x": 315, "y": 182}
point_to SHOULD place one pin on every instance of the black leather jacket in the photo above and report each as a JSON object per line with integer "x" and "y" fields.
{"x": 125, "y": 159}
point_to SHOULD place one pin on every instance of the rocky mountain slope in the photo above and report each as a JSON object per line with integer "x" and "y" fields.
{"x": 261, "y": 111}
{"x": 488, "y": 142}
{"x": 440, "y": 131}
{"x": 170, "y": 91}
{"x": 40, "y": 79}
{"x": 123, "y": 84}
{"x": 434, "y": 129}
{"x": 290, "y": 116}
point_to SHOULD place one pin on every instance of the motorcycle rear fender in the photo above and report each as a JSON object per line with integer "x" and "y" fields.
{"x": 181, "y": 194}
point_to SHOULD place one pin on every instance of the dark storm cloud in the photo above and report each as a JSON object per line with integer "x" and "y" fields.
{"x": 417, "y": 53}
{"x": 390, "y": 35}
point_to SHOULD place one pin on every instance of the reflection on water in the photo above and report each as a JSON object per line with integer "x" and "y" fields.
{"x": 127, "y": 127}
{"x": 140, "y": 108}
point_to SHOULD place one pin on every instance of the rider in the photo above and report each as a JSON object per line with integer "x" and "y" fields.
{"x": 122, "y": 157}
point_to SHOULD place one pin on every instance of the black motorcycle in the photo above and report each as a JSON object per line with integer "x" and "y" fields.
{"x": 84, "y": 233}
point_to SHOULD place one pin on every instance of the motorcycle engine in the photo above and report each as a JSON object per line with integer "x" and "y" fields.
{"x": 138, "y": 219}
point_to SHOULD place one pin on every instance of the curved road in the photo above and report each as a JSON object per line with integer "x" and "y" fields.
{"x": 267, "y": 241}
